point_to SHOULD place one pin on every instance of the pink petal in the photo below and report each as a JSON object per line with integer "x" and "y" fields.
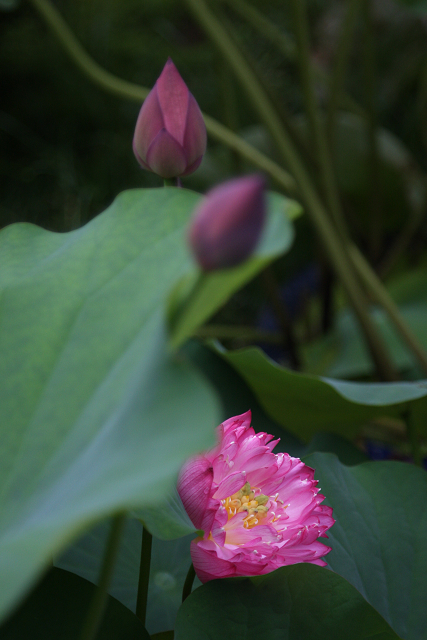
{"x": 149, "y": 123}
{"x": 194, "y": 487}
{"x": 207, "y": 564}
{"x": 195, "y": 137}
{"x": 173, "y": 96}
{"x": 232, "y": 483}
{"x": 165, "y": 156}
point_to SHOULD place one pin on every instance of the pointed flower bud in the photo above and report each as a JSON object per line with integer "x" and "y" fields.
{"x": 170, "y": 133}
{"x": 227, "y": 225}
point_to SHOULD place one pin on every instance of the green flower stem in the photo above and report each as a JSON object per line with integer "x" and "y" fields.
{"x": 375, "y": 236}
{"x": 92, "y": 69}
{"x": 314, "y": 207}
{"x": 130, "y": 91}
{"x": 341, "y": 59}
{"x": 144, "y": 575}
{"x": 380, "y": 294}
{"x": 97, "y": 606}
{"x": 314, "y": 119}
{"x": 188, "y": 584}
{"x": 413, "y": 437}
{"x": 286, "y": 46}
{"x": 171, "y": 182}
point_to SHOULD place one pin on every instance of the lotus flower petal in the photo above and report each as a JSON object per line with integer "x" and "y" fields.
{"x": 254, "y": 520}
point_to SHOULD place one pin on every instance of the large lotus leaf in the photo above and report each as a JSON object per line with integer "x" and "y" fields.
{"x": 299, "y": 602}
{"x": 57, "y": 609}
{"x": 379, "y": 538}
{"x": 96, "y": 415}
{"x": 85, "y": 426}
{"x": 305, "y": 404}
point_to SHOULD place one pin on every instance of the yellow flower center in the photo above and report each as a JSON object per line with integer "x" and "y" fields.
{"x": 245, "y": 501}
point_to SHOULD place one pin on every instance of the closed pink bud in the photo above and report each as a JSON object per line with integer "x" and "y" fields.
{"x": 170, "y": 133}
{"x": 227, "y": 225}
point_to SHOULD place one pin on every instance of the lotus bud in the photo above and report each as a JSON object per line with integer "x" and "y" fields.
{"x": 170, "y": 133}
{"x": 227, "y": 225}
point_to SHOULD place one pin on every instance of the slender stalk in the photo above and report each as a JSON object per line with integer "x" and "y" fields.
{"x": 314, "y": 118}
{"x": 413, "y": 437}
{"x": 376, "y": 218}
{"x": 188, "y": 584}
{"x": 341, "y": 59}
{"x": 374, "y": 284}
{"x": 313, "y": 204}
{"x": 92, "y": 69}
{"x": 171, "y": 182}
{"x": 286, "y": 46}
{"x": 144, "y": 575}
{"x": 96, "y": 609}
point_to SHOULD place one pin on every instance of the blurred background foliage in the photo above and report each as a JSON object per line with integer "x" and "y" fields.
{"x": 66, "y": 148}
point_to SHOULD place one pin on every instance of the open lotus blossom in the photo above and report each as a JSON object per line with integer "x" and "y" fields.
{"x": 258, "y": 510}
{"x": 170, "y": 133}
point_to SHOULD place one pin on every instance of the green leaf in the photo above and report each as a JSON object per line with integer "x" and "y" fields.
{"x": 378, "y": 540}
{"x": 57, "y": 609}
{"x": 216, "y": 287}
{"x": 306, "y": 404}
{"x": 85, "y": 372}
{"x": 299, "y": 602}
{"x": 170, "y": 561}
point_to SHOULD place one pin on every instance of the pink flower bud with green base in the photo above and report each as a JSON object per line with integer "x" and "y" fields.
{"x": 256, "y": 510}
{"x": 170, "y": 133}
{"x": 227, "y": 225}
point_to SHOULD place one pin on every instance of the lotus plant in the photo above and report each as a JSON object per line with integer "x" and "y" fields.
{"x": 256, "y": 510}
{"x": 170, "y": 133}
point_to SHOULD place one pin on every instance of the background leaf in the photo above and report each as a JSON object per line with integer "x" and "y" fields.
{"x": 57, "y": 608}
{"x": 305, "y": 404}
{"x": 378, "y": 540}
{"x": 299, "y": 602}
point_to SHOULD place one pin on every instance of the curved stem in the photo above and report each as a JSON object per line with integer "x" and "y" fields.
{"x": 97, "y": 606}
{"x": 92, "y": 69}
{"x": 144, "y": 575}
{"x": 188, "y": 584}
{"x": 374, "y": 284}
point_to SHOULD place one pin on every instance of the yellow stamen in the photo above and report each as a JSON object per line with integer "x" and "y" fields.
{"x": 246, "y": 501}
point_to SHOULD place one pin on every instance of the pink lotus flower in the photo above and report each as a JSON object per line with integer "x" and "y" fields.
{"x": 258, "y": 510}
{"x": 170, "y": 133}
{"x": 228, "y": 223}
